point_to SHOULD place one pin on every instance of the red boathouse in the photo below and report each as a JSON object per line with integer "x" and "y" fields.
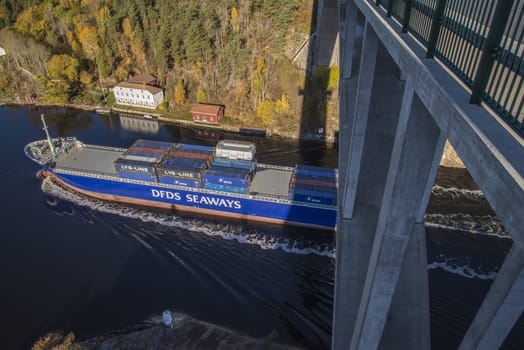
{"x": 207, "y": 113}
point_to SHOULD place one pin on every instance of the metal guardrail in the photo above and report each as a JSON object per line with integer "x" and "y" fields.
{"x": 481, "y": 41}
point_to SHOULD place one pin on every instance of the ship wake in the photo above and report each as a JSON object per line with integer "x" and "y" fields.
{"x": 229, "y": 231}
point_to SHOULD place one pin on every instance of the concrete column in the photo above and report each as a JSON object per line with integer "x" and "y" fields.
{"x": 416, "y": 145}
{"x": 350, "y": 53}
{"x": 377, "y": 129}
{"x": 362, "y": 106}
{"x": 501, "y": 307}
{"x": 408, "y": 325}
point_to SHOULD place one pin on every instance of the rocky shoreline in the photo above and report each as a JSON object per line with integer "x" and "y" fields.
{"x": 182, "y": 332}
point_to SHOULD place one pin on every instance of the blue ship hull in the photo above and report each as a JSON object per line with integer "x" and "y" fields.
{"x": 196, "y": 200}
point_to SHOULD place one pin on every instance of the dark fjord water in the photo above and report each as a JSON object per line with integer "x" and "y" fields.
{"x": 68, "y": 262}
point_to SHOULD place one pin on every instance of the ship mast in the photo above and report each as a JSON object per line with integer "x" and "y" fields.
{"x": 47, "y": 134}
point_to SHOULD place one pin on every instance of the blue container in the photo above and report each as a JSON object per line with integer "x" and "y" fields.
{"x": 185, "y": 163}
{"x": 136, "y": 176}
{"x": 229, "y": 178}
{"x": 158, "y": 145}
{"x": 313, "y": 192}
{"x": 319, "y": 189}
{"x": 190, "y": 147}
{"x": 315, "y": 171}
{"x": 238, "y": 164}
{"x": 312, "y": 199}
{"x": 144, "y": 154}
{"x": 189, "y": 173}
{"x": 127, "y": 165}
{"x": 179, "y": 181}
{"x": 225, "y": 188}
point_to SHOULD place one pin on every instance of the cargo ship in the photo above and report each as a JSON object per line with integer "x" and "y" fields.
{"x": 222, "y": 181}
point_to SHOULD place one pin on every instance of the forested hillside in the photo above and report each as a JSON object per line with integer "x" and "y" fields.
{"x": 236, "y": 52}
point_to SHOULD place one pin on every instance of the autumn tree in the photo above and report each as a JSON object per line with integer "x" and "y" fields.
{"x": 63, "y": 73}
{"x": 265, "y": 111}
{"x": 201, "y": 96}
{"x": 180, "y": 94}
{"x": 234, "y": 19}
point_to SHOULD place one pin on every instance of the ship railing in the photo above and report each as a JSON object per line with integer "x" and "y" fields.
{"x": 106, "y": 148}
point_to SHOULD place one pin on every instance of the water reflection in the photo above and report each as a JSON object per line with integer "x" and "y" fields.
{"x": 135, "y": 123}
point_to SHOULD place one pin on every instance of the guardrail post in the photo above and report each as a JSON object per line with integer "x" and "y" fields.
{"x": 435, "y": 27}
{"x": 490, "y": 49}
{"x": 407, "y": 15}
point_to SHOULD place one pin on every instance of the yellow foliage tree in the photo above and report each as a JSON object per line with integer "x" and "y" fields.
{"x": 88, "y": 38}
{"x": 201, "y": 95}
{"x": 63, "y": 67}
{"x": 180, "y": 94}
{"x": 265, "y": 111}
{"x": 86, "y": 78}
{"x": 282, "y": 105}
{"x": 259, "y": 83}
{"x": 32, "y": 22}
{"x": 234, "y": 19}
{"x": 334, "y": 77}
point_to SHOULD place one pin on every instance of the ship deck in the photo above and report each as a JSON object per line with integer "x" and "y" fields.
{"x": 99, "y": 160}
{"x": 268, "y": 181}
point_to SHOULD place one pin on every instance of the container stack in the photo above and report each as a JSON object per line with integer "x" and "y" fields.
{"x": 183, "y": 165}
{"x": 140, "y": 160}
{"x": 232, "y": 167}
{"x": 314, "y": 184}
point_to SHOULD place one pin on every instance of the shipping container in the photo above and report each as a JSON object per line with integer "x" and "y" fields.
{"x": 146, "y": 150}
{"x": 136, "y": 176}
{"x": 144, "y": 154}
{"x": 241, "y": 150}
{"x": 319, "y": 182}
{"x": 189, "y": 173}
{"x": 226, "y": 188}
{"x": 229, "y": 171}
{"x": 315, "y": 171}
{"x": 190, "y": 154}
{"x": 178, "y": 181}
{"x": 312, "y": 199}
{"x": 316, "y": 192}
{"x": 152, "y": 144}
{"x": 221, "y": 178}
{"x": 191, "y": 163}
{"x": 318, "y": 189}
{"x": 230, "y": 163}
{"x": 137, "y": 166}
{"x": 188, "y": 147}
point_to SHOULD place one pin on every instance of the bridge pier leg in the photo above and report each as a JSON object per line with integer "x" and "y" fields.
{"x": 377, "y": 106}
{"x": 414, "y": 161}
{"x": 502, "y": 306}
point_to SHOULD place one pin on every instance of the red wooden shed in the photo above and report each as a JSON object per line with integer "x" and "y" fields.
{"x": 207, "y": 113}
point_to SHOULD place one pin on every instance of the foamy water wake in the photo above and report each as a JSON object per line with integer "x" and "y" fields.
{"x": 485, "y": 225}
{"x": 225, "y": 231}
{"x": 459, "y": 267}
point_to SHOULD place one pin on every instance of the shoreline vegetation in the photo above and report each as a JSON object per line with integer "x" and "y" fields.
{"x": 183, "y": 118}
{"x": 246, "y": 55}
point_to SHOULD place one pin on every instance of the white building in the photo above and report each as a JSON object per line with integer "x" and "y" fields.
{"x": 2, "y": 51}
{"x": 139, "y": 92}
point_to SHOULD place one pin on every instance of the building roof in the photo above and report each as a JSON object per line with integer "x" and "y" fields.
{"x": 152, "y": 89}
{"x": 202, "y": 108}
{"x": 142, "y": 78}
